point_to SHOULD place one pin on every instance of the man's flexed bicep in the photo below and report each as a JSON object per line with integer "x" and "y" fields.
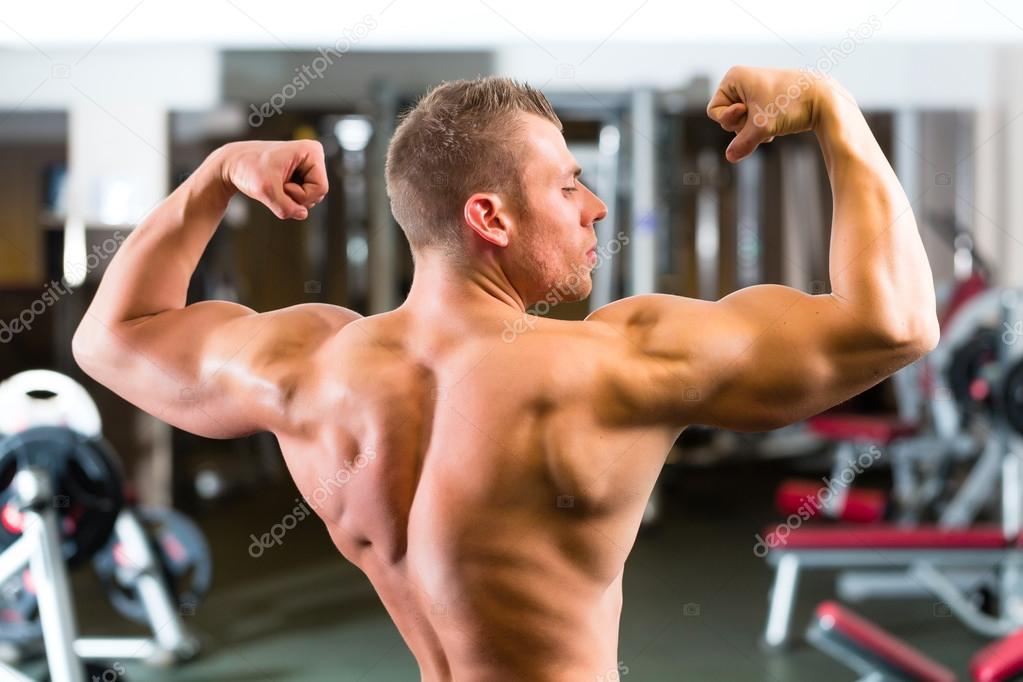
{"x": 769, "y": 355}
{"x": 758, "y": 359}
{"x": 216, "y": 369}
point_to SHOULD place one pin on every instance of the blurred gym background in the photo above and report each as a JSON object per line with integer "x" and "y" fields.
{"x": 105, "y": 108}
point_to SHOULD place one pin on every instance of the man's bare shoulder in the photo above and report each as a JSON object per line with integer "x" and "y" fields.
{"x": 645, "y": 380}
{"x": 292, "y": 336}
{"x": 591, "y": 354}
{"x": 557, "y": 337}
{"x": 635, "y": 315}
{"x": 324, "y": 315}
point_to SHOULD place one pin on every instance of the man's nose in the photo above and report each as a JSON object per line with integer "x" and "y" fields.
{"x": 598, "y": 207}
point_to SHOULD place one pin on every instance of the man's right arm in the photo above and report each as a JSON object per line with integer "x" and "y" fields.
{"x": 769, "y": 355}
{"x": 214, "y": 368}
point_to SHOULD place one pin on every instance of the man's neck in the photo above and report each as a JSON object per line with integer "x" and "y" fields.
{"x": 440, "y": 284}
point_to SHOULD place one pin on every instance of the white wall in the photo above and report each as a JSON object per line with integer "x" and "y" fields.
{"x": 879, "y": 75}
{"x": 998, "y": 153}
{"x": 118, "y": 99}
{"x": 118, "y": 95}
{"x": 472, "y": 24}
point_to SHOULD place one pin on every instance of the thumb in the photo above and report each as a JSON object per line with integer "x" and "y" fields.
{"x": 746, "y": 141}
{"x": 298, "y": 194}
{"x": 730, "y": 118}
{"x": 283, "y": 206}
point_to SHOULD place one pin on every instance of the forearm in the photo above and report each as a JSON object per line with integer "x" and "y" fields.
{"x": 878, "y": 264}
{"x": 152, "y": 269}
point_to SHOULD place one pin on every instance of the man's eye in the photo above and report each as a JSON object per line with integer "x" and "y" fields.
{"x": 570, "y": 189}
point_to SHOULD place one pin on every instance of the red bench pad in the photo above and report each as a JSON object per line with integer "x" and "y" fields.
{"x": 881, "y": 644}
{"x": 862, "y": 428}
{"x": 1000, "y": 661}
{"x": 879, "y": 536}
{"x": 861, "y": 505}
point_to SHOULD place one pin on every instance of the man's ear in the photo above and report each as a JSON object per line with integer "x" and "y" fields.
{"x": 489, "y": 217}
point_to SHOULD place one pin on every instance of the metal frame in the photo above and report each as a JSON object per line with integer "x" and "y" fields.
{"x": 172, "y": 642}
{"x": 1000, "y": 462}
{"x": 862, "y": 665}
{"x": 790, "y": 562}
{"x": 39, "y": 549}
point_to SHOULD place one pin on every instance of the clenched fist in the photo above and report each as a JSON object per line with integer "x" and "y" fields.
{"x": 759, "y": 104}
{"x": 289, "y": 178}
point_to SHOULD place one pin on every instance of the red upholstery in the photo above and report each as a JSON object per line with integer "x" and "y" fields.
{"x": 1000, "y": 661}
{"x": 881, "y": 644}
{"x": 879, "y": 429}
{"x": 963, "y": 292}
{"x": 860, "y": 506}
{"x": 886, "y": 537}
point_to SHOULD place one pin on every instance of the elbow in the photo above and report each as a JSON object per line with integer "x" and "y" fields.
{"x": 87, "y": 346}
{"x": 82, "y": 349}
{"x": 924, "y": 334}
{"x": 914, "y": 337}
{"x": 930, "y": 336}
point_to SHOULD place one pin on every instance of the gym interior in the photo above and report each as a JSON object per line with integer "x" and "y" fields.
{"x": 875, "y": 541}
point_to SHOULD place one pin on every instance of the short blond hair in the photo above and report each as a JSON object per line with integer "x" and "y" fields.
{"x": 460, "y": 138}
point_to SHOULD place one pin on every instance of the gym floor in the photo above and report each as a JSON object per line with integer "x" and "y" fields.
{"x": 695, "y": 599}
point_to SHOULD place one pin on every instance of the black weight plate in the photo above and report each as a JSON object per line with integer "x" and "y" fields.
{"x": 1012, "y": 396}
{"x": 184, "y": 556}
{"x": 966, "y": 364}
{"x": 86, "y": 484}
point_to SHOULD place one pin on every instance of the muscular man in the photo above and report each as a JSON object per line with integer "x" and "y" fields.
{"x": 499, "y": 478}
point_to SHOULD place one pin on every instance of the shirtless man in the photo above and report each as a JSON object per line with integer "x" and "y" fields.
{"x": 497, "y": 481}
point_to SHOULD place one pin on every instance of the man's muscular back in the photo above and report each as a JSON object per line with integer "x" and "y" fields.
{"x": 498, "y": 502}
{"x": 496, "y": 485}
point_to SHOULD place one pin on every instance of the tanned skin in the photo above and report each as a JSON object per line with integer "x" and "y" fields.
{"x": 469, "y": 438}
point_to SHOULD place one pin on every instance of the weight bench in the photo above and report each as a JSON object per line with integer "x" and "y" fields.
{"x": 879, "y": 656}
{"x": 916, "y": 457}
{"x": 875, "y": 654}
{"x": 854, "y": 506}
{"x": 850, "y": 433}
{"x": 872, "y": 547}
{"x": 999, "y": 662}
